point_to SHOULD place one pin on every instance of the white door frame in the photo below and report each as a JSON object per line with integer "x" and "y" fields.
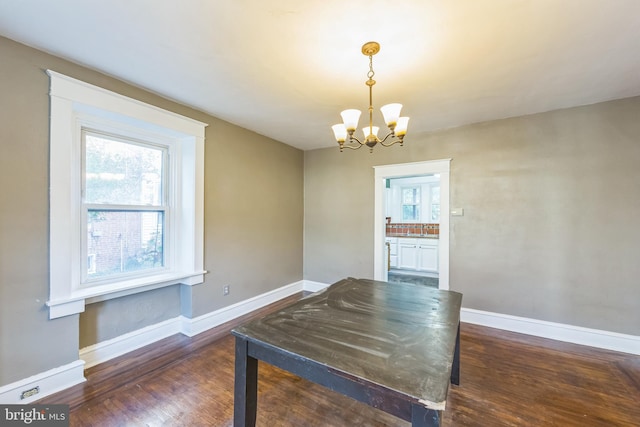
{"x": 403, "y": 170}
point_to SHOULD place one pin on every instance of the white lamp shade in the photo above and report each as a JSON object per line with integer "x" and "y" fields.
{"x": 401, "y": 126}
{"x": 373, "y": 130}
{"x": 340, "y": 132}
{"x": 391, "y": 112}
{"x": 350, "y": 119}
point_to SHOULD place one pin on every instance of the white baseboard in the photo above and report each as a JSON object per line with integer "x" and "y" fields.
{"x": 556, "y": 331}
{"x": 312, "y": 286}
{"x": 540, "y": 328}
{"x": 49, "y": 382}
{"x": 58, "y": 379}
{"x": 191, "y": 327}
{"x": 66, "y": 376}
{"x": 106, "y": 350}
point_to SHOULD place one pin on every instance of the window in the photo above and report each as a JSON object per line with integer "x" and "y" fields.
{"x": 126, "y": 196}
{"x": 124, "y": 206}
{"x": 435, "y": 202}
{"x": 411, "y": 204}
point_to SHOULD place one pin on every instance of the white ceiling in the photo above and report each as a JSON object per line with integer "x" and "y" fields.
{"x": 286, "y": 68}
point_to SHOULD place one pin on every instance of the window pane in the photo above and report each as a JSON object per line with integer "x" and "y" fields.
{"x": 410, "y": 196}
{"x": 435, "y": 212}
{"x": 410, "y": 212}
{"x": 122, "y": 173}
{"x": 435, "y": 194}
{"x": 124, "y": 242}
{"x": 435, "y": 203}
{"x": 411, "y": 204}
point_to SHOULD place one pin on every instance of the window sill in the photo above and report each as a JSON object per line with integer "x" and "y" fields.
{"x": 74, "y": 303}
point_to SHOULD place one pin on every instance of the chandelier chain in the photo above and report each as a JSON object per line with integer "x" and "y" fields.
{"x": 371, "y": 73}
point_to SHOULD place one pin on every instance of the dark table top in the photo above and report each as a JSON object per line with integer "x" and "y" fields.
{"x": 398, "y": 336}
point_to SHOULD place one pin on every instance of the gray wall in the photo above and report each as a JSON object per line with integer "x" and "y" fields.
{"x": 109, "y": 319}
{"x": 254, "y": 216}
{"x": 550, "y": 200}
{"x": 253, "y": 222}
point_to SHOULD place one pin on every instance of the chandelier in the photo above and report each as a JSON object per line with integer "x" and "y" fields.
{"x": 344, "y": 132}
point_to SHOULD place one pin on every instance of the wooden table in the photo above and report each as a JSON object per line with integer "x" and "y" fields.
{"x": 392, "y": 346}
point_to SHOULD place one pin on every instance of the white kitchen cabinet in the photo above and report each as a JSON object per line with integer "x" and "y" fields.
{"x": 407, "y": 254}
{"x": 418, "y": 254}
{"x": 427, "y": 258}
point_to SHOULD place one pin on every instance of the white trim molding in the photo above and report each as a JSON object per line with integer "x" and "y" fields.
{"x": 312, "y": 286}
{"x": 58, "y": 379}
{"x": 539, "y": 328}
{"x": 76, "y": 105}
{"x": 192, "y": 327}
{"x": 49, "y": 382}
{"x": 107, "y": 350}
{"x": 555, "y": 331}
{"x": 384, "y": 172}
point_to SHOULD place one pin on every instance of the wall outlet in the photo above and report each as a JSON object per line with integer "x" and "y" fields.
{"x": 225, "y": 290}
{"x": 28, "y": 393}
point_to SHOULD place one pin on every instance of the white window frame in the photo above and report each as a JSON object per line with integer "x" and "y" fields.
{"x": 168, "y": 147}
{"x": 76, "y": 104}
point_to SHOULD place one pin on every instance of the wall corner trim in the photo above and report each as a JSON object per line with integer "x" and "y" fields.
{"x": 48, "y": 382}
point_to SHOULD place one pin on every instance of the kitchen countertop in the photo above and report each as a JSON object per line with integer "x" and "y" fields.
{"x": 419, "y": 236}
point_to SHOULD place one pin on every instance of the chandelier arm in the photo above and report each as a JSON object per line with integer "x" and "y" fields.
{"x": 351, "y": 146}
{"x": 352, "y": 139}
{"x": 392, "y": 134}
{"x": 386, "y": 137}
{"x": 390, "y": 143}
{"x": 355, "y": 138}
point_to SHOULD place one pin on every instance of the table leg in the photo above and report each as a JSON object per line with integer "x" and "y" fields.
{"x": 246, "y": 386}
{"x": 455, "y": 369}
{"x": 423, "y": 417}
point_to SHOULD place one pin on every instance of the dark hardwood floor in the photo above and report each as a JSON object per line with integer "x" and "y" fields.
{"x": 507, "y": 379}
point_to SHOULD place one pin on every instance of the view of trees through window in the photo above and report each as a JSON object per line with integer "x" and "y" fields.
{"x": 411, "y": 204}
{"x": 435, "y": 203}
{"x": 124, "y": 204}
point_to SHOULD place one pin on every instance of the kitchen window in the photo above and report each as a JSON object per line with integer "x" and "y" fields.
{"x": 411, "y": 204}
{"x": 435, "y": 202}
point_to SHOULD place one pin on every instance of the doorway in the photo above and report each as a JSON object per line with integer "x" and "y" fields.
{"x": 406, "y": 170}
